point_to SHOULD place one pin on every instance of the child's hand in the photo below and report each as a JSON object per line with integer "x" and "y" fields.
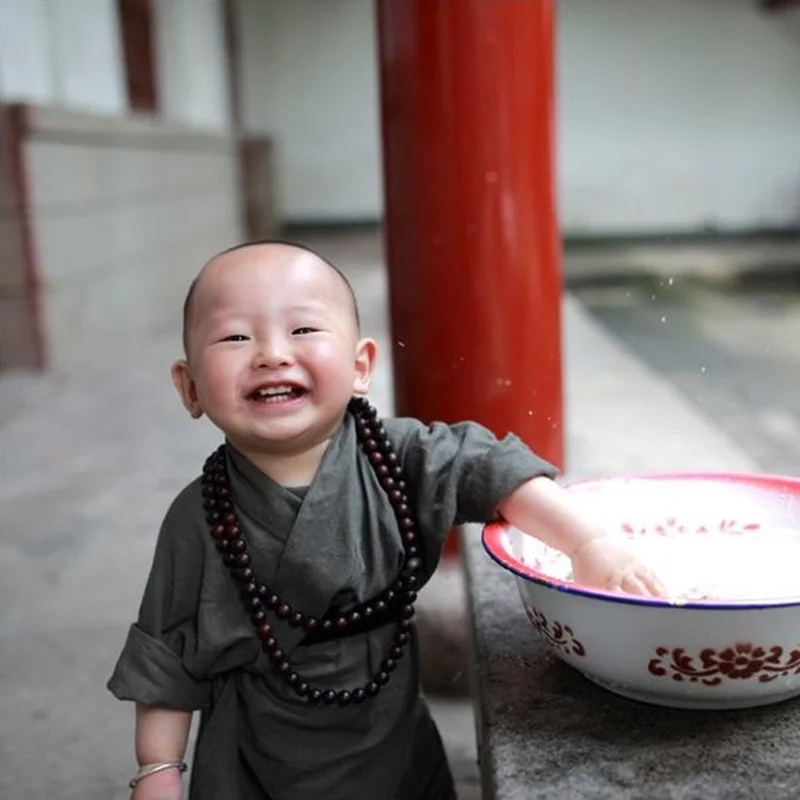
{"x": 166, "y": 785}
{"x": 606, "y": 564}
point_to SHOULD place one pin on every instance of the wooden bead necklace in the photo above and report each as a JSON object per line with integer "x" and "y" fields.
{"x": 394, "y": 604}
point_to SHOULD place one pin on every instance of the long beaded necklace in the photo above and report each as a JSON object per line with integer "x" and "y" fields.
{"x": 393, "y": 604}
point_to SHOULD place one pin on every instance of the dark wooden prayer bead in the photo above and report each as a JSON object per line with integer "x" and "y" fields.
{"x": 396, "y": 496}
{"x": 410, "y": 597}
{"x": 209, "y": 505}
{"x": 302, "y": 688}
{"x": 388, "y": 595}
{"x": 218, "y": 532}
{"x": 372, "y": 688}
{"x": 341, "y": 623}
{"x": 383, "y": 471}
{"x": 293, "y": 679}
{"x": 284, "y": 668}
{"x": 370, "y": 445}
{"x": 381, "y": 678}
{"x": 259, "y": 617}
{"x": 213, "y": 518}
{"x": 242, "y": 560}
{"x": 406, "y": 611}
{"x": 310, "y": 624}
{"x": 326, "y": 625}
{"x": 277, "y": 655}
{"x": 409, "y": 537}
{"x": 388, "y": 665}
{"x": 412, "y": 565}
{"x": 283, "y": 611}
{"x": 232, "y": 532}
{"x": 395, "y": 652}
{"x": 359, "y": 695}
{"x": 402, "y": 639}
{"x": 376, "y": 458}
{"x": 296, "y": 619}
{"x": 250, "y": 589}
{"x": 329, "y": 697}
{"x": 272, "y": 601}
{"x": 222, "y": 546}
{"x": 254, "y": 604}
{"x": 380, "y": 607}
{"x": 237, "y": 545}
{"x": 354, "y": 618}
{"x": 270, "y": 644}
{"x": 343, "y": 697}
{"x": 243, "y": 575}
{"x": 368, "y": 611}
{"x": 388, "y": 483}
{"x": 315, "y": 697}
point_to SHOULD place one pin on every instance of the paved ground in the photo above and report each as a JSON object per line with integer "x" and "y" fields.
{"x": 732, "y": 347}
{"x": 90, "y": 463}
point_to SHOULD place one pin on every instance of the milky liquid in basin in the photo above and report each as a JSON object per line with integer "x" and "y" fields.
{"x": 729, "y": 565}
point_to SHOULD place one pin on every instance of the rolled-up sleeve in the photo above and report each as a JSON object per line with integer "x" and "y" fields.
{"x": 149, "y": 672}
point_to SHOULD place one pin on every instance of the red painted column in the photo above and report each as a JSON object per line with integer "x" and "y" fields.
{"x": 472, "y": 240}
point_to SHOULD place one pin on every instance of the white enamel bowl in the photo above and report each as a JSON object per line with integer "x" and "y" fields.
{"x": 728, "y": 549}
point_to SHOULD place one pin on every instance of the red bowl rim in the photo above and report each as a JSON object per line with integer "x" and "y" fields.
{"x": 493, "y": 531}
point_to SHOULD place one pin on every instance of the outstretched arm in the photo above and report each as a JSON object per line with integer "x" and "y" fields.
{"x": 544, "y": 510}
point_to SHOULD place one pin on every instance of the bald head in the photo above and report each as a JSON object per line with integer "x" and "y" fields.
{"x": 275, "y": 251}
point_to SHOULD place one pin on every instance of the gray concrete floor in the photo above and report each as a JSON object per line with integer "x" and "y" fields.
{"x": 89, "y": 464}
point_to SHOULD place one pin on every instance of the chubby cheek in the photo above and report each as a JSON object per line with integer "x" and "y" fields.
{"x": 331, "y": 368}
{"x": 216, "y": 387}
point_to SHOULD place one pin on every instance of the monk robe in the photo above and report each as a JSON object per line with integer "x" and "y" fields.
{"x": 335, "y": 543}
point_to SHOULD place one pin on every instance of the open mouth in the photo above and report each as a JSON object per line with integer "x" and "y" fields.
{"x": 277, "y": 394}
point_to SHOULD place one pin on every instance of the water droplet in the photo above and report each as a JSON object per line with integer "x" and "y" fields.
{"x": 652, "y": 297}
{"x": 702, "y": 369}
{"x": 628, "y": 294}
{"x": 491, "y": 177}
{"x": 670, "y": 281}
{"x": 663, "y": 319}
{"x": 401, "y": 344}
{"x": 530, "y": 413}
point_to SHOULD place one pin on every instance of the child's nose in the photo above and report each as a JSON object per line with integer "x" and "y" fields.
{"x": 272, "y": 353}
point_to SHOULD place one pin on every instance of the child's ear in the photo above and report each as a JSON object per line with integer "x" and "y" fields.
{"x": 187, "y": 389}
{"x": 366, "y": 354}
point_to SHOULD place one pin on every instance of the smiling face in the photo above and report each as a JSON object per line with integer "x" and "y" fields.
{"x": 273, "y": 350}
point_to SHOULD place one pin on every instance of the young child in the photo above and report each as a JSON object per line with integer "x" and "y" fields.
{"x": 280, "y": 600}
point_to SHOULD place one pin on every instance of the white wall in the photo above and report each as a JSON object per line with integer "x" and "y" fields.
{"x": 62, "y": 52}
{"x": 309, "y": 79}
{"x": 191, "y": 63}
{"x": 672, "y": 115}
{"x": 677, "y": 115}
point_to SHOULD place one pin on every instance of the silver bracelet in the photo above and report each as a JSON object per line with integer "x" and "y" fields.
{"x": 151, "y": 769}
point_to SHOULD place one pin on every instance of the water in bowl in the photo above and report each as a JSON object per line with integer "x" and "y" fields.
{"x": 761, "y": 564}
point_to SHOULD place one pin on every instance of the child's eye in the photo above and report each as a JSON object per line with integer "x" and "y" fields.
{"x": 301, "y": 331}
{"x": 235, "y": 337}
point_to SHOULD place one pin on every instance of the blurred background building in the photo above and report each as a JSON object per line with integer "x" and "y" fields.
{"x": 139, "y": 136}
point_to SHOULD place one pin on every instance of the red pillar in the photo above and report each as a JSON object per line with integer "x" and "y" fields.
{"x": 472, "y": 238}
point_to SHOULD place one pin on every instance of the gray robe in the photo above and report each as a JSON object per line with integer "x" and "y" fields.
{"x": 194, "y": 647}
